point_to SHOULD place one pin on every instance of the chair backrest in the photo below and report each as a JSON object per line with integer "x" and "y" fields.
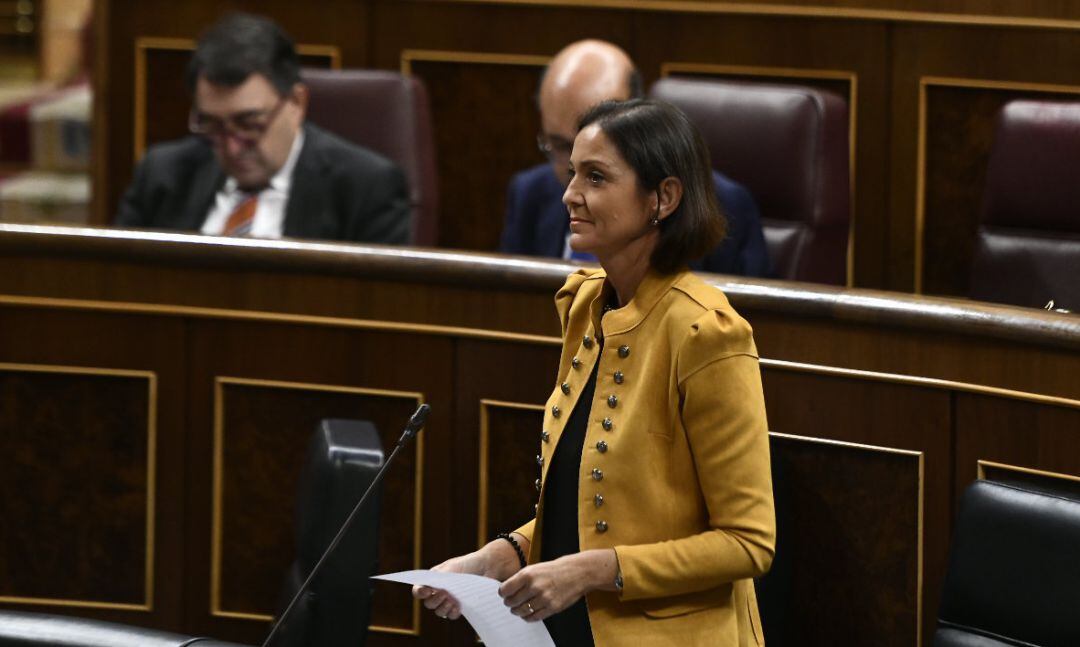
{"x": 343, "y": 459}
{"x": 1027, "y": 247}
{"x": 1014, "y": 570}
{"x": 789, "y": 146}
{"x": 24, "y": 629}
{"x": 390, "y": 114}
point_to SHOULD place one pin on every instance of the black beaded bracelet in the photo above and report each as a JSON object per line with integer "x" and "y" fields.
{"x": 517, "y": 546}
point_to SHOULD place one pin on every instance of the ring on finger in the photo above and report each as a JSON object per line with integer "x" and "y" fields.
{"x": 528, "y": 605}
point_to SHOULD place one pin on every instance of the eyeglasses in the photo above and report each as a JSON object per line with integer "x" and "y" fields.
{"x": 245, "y": 127}
{"x": 554, "y": 146}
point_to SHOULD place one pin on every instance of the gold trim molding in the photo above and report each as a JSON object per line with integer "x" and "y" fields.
{"x": 852, "y": 79}
{"x": 800, "y": 11}
{"x": 485, "y": 444}
{"x": 151, "y": 485}
{"x": 925, "y": 83}
{"x": 981, "y": 465}
{"x": 217, "y": 529}
{"x": 277, "y": 317}
{"x": 409, "y": 56}
{"x": 495, "y": 335}
{"x": 144, "y": 44}
{"x": 920, "y": 533}
{"x": 927, "y": 382}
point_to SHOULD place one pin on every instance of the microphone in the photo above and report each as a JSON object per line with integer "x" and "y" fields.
{"x": 413, "y": 427}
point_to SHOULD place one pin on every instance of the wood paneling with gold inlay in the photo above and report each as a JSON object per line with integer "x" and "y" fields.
{"x": 77, "y": 466}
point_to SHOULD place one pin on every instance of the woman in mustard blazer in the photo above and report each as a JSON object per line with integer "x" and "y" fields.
{"x": 655, "y": 508}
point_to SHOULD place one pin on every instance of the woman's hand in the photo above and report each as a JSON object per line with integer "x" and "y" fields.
{"x": 497, "y": 560}
{"x": 542, "y": 590}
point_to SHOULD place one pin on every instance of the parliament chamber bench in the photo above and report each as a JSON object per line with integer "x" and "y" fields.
{"x": 157, "y": 392}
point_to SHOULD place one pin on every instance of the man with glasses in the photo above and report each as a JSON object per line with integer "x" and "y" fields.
{"x": 580, "y": 76}
{"x": 254, "y": 167}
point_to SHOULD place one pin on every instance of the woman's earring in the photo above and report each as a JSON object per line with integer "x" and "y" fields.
{"x": 655, "y": 222}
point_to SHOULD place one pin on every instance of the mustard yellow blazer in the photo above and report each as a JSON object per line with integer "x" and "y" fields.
{"x": 675, "y": 469}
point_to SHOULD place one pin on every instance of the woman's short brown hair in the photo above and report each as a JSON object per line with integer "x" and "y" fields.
{"x": 658, "y": 141}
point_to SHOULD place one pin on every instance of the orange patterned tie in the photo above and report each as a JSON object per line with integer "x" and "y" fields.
{"x": 242, "y": 218}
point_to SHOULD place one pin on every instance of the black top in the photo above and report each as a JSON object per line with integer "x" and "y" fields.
{"x": 560, "y": 529}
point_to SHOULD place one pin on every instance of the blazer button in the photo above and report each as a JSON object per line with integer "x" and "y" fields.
{"x": 607, "y": 424}
{"x": 624, "y": 351}
{"x": 598, "y": 474}
{"x": 601, "y": 447}
{"x": 612, "y": 401}
{"x": 537, "y": 485}
{"x": 565, "y": 388}
{"x": 556, "y": 411}
{"x": 619, "y": 377}
{"x": 601, "y": 526}
{"x": 586, "y": 341}
{"x": 598, "y": 500}
{"x": 576, "y": 363}
{"x": 539, "y": 460}
{"x": 545, "y": 436}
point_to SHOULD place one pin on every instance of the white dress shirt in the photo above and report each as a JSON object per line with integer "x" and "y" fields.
{"x": 270, "y": 211}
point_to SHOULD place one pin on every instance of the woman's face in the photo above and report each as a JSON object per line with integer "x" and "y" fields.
{"x": 608, "y": 208}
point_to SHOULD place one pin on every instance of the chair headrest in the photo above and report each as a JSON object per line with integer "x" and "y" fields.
{"x": 1014, "y": 566}
{"x": 1031, "y": 180}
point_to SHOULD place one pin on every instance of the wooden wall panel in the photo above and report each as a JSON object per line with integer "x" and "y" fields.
{"x": 82, "y": 440}
{"x": 907, "y": 418}
{"x": 99, "y": 441}
{"x": 478, "y": 155}
{"x": 863, "y": 564}
{"x": 260, "y": 447}
{"x": 1018, "y": 434}
{"x": 270, "y": 403}
{"x": 468, "y": 334}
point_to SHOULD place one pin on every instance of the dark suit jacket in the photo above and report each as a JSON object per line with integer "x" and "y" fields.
{"x": 339, "y": 191}
{"x": 537, "y": 223}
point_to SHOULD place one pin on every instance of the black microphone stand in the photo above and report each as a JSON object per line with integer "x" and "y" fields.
{"x": 416, "y": 423}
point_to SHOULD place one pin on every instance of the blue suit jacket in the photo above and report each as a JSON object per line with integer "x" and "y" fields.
{"x": 537, "y": 223}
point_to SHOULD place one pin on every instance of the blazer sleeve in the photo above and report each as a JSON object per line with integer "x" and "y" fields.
{"x": 512, "y": 239}
{"x": 384, "y": 213}
{"x": 133, "y": 211}
{"x": 723, "y": 414}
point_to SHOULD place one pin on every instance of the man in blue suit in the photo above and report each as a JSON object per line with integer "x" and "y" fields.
{"x": 580, "y": 76}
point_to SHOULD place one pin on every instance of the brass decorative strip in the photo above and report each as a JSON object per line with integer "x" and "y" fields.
{"x": 277, "y": 317}
{"x": 925, "y": 82}
{"x": 801, "y": 11}
{"x": 143, "y": 44}
{"x": 408, "y": 56}
{"x": 216, "y": 530}
{"x": 151, "y": 484}
{"x": 920, "y": 519}
{"x": 928, "y": 382}
{"x": 852, "y": 79}
{"x": 485, "y": 444}
{"x": 981, "y": 465}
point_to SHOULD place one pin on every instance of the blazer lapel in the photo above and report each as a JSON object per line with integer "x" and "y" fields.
{"x": 304, "y": 216}
{"x": 207, "y": 181}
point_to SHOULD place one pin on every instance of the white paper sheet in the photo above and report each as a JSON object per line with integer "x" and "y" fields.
{"x": 482, "y": 607}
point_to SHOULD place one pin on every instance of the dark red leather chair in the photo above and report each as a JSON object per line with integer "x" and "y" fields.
{"x": 390, "y": 114}
{"x": 1027, "y": 247}
{"x": 789, "y": 146}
